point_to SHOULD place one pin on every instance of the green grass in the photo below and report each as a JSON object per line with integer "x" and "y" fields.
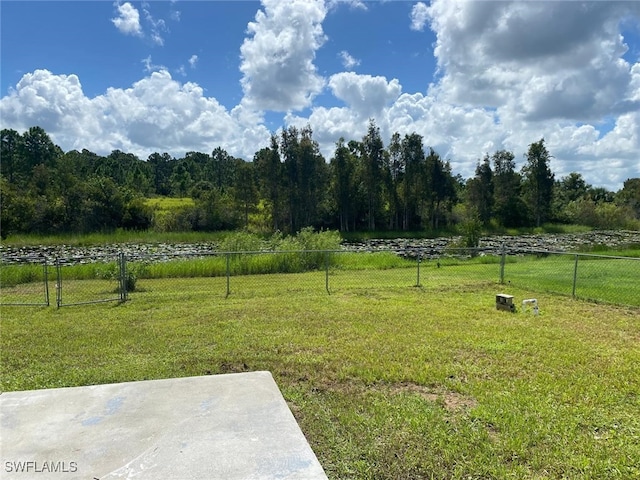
{"x": 608, "y": 279}
{"x": 165, "y": 204}
{"x": 386, "y": 381}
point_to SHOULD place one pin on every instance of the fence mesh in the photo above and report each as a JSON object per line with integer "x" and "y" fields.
{"x": 83, "y": 280}
{"x": 25, "y": 283}
{"x": 118, "y": 277}
{"x": 591, "y": 277}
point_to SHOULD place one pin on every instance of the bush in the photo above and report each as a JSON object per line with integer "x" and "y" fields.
{"x": 314, "y": 244}
{"x": 305, "y": 251}
{"x": 471, "y": 232}
{"x": 322, "y": 240}
{"x": 241, "y": 242}
{"x": 178, "y": 220}
{"x": 137, "y": 215}
{"x": 133, "y": 271}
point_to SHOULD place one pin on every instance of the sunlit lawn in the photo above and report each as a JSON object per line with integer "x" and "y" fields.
{"x": 386, "y": 379}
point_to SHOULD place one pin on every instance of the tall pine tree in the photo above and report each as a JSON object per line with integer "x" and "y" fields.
{"x": 538, "y": 182}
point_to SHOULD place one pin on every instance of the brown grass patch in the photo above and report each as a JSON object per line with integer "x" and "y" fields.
{"x": 453, "y": 402}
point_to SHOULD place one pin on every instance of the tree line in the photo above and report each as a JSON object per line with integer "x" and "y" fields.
{"x": 289, "y": 185}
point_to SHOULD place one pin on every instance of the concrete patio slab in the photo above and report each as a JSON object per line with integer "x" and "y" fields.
{"x": 235, "y": 426}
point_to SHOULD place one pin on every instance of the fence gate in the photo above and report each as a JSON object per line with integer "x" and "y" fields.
{"x": 79, "y": 281}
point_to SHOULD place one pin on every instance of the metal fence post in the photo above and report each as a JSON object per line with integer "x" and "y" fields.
{"x": 58, "y": 284}
{"x": 123, "y": 278}
{"x": 503, "y": 257}
{"x": 326, "y": 271}
{"x": 575, "y": 277}
{"x": 419, "y": 257}
{"x": 46, "y": 282}
{"x": 228, "y": 256}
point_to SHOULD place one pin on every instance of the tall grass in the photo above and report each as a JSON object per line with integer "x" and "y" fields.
{"x": 11, "y": 275}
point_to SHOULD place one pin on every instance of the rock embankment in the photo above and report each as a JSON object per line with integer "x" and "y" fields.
{"x": 566, "y": 242}
{"x": 425, "y": 247}
{"x": 106, "y": 252}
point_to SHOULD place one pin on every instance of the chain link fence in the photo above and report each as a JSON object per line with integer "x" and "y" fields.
{"x": 64, "y": 281}
{"x": 119, "y": 277}
{"x": 86, "y": 280}
{"x": 25, "y": 283}
{"x": 600, "y": 278}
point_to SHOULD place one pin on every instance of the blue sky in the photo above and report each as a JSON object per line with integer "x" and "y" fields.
{"x": 470, "y": 77}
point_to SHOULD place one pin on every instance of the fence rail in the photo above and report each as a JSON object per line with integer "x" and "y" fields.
{"x": 118, "y": 277}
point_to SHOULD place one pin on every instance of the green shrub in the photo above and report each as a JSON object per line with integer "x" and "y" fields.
{"x": 134, "y": 270}
{"x": 302, "y": 252}
{"x": 241, "y": 241}
{"x": 311, "y": 246}
{"x": 179, "y": 220}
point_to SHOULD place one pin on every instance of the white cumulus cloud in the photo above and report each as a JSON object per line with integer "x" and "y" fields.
{"x": 149, "y": 66}
{"x": 510, "y": 73}
{"x": 540, "y": 60}
{"x": 365, "y": 94}
{"x": 156, "y": 114}
{"x": 277, "y": 57}
{"x": 128, "y": 20}
{"x": 348, "y": 61}
{"x": 157, "y": 27}
{"x": 419, "y": 16}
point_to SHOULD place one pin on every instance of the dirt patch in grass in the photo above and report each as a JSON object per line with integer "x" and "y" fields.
{"x": 233, "y": 367}
{"x": 453, "y": 402}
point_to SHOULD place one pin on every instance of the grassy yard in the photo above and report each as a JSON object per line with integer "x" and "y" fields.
{"x": 388, "y": 381}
